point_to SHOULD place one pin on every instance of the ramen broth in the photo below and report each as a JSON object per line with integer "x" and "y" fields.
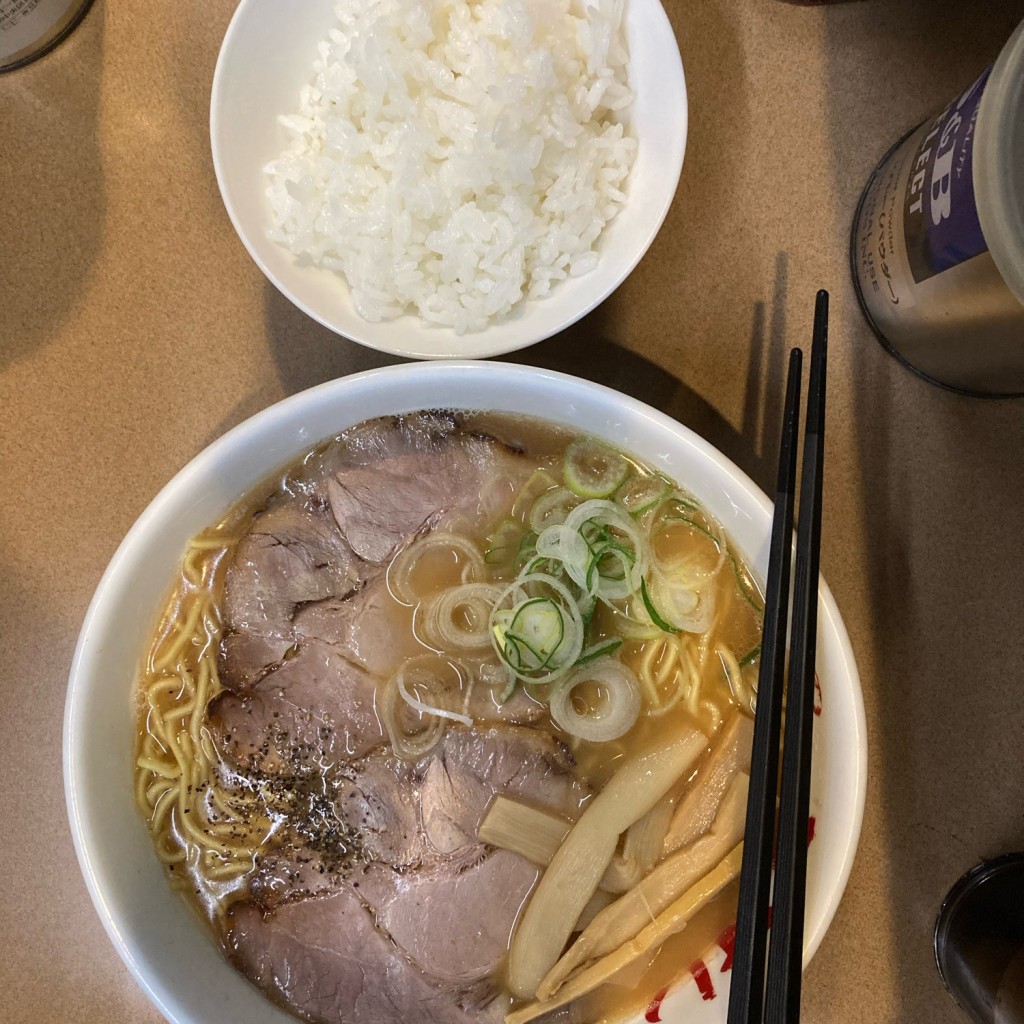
{"x": 211, "y": 825}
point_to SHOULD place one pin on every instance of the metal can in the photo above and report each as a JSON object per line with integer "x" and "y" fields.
{"x": 28, "y": 28}
{"x": 937, "y": 247}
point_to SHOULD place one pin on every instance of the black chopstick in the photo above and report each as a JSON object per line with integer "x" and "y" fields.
{"x": 785, "y": 957}
{"x": 750, "y": 996}
{"x": 746, "y": 994}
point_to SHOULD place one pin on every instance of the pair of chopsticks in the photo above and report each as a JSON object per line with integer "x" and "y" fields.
{"x": 774, "y": 998}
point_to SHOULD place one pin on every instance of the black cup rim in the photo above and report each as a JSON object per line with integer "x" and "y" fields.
{"x": 961, "y": 888}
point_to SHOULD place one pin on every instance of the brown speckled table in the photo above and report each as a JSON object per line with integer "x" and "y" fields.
{"x": 134, "y": 329}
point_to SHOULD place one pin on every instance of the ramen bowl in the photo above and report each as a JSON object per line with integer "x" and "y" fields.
{"x": 157, "y": 934}
{"x": 264, "y": 62}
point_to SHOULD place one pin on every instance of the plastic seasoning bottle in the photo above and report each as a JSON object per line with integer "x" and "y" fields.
{"x": 28, "y": 28}
{"x": 937, "y": 248}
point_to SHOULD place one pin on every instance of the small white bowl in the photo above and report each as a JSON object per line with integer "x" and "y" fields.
{"x": 158, "y": 936}
{"x": 267, "y": 56}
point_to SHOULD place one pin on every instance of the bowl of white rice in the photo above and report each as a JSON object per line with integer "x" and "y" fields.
{"x": 448, "y": 178}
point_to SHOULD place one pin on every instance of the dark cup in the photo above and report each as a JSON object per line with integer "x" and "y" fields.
{"x": 979, "y": 941}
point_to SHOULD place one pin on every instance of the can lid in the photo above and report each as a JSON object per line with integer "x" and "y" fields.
{"x": 999, "y": 163}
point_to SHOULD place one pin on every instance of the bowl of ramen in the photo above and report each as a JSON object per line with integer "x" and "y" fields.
{"x": 452, "y": 178}
{"x": 391, "y": 709}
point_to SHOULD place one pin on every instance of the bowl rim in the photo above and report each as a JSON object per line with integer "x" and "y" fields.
{"x": 113, "y": 582}
{"x": 499, "y": 338}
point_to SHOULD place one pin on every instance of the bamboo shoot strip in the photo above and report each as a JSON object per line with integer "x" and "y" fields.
{"x": 537, "y": 834}
{"x": 730, "y": 753}
{"x": 576, "y": 869}
{"x": 641, "y": 846}
{"x": 668, "y": 881}
{"x": 528, "y": 831}
{"x": 597, "y": 903}
{"x": 669, "y": 922}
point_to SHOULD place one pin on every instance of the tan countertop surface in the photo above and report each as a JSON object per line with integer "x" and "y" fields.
{"x": 134, "y": 329}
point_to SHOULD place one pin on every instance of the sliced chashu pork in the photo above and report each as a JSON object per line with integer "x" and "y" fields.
{"x": 410, "y": 474}
{"x": 342, "y": 519}
{"x": 326, "y": 959}
{"x": 292, "y": 555}
{"x": 472, "y": 766}
{"x": 449, "y": 915}
{"x": 426, "y": 814}
{"x": 304, "y": 679}
{"x": 316, "y": 708}
{"x": 457, "y": 926}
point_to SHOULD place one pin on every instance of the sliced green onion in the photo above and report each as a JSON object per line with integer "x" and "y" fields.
{"x": 641, "y": 493}
{"x": 751, "y": 656}
{"x": 503, "y": 543}
{"x": 409, "y": 744}
{"x": 551, "y": 508}
{"x": 400, "y": 571}
{"x": 745, "y": 588}
{"x": 614, "y": 585}
{"x": 592, "y": 469}
{"x": 700, "y": 528}
{"x": 538, "y": 624}
{"x": 539, "y": 564}
{"x": 421, "y": 671}
{"x": 688, "y": 607}
{"x": 709, "y": 531}
{"x": 619, "y": 712}
{"x": 568, "y": 547}
{"x": 593, "y": 557}
{"x": 684, "y": 500}
{"x": 610, "y": 531}
{"x": 655, "y": 615}
{"x": 536, "y": 628}
{"x": 539, "y": 482}
{"x": 598, "y": 650}
{"x": 629, "y": 619}
{"x": 458, "y": 617}
{"x": 610, "y": 545}
{"x": 690, "y": 521}
{"x": 527, "y": 546}
{"x": 587, "y": 606}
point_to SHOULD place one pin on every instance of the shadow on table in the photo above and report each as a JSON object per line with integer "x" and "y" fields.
{"x": 942, "y": 485}
{"x": 45, "y": 260}
{"x": 193, "y": 39}
{"x": 588, "y": 350}
{"x": 306, "y": 354}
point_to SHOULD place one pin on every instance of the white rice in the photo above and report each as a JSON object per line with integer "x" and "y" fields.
{"x": 452, "y": 157}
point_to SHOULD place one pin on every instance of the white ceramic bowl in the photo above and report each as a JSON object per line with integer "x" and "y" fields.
{"x": 267, "y": 57}
{"x": 158, "y": 936}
